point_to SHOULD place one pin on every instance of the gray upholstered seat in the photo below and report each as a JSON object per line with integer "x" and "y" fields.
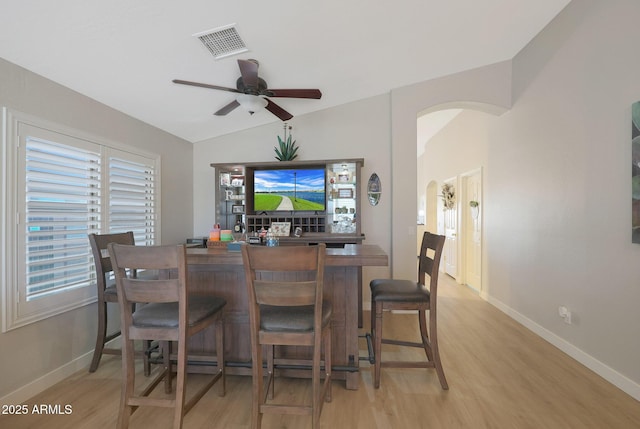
{"x": 398, "y": 291}
{"x": 165, "y": 314}
{"x": 293, "y": 319}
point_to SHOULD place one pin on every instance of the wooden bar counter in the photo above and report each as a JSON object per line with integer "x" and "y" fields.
{"x": 220, "y": 272}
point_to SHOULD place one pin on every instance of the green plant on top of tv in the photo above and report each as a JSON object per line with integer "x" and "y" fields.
{"x": 287, "y": 150}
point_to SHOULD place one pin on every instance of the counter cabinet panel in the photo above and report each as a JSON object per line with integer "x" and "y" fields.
{"x": 222, "y": 274}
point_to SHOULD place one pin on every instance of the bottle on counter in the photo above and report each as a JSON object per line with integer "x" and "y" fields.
{"x": 272, "y": 240}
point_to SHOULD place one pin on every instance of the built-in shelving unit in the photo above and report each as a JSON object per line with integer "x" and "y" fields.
{"x": 307, "y": 223}
{"x": 231, "y": 202}
{"x": 339, "y": 222}
{"x": 343, "y": 199}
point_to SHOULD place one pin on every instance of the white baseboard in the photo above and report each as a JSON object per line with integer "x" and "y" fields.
{"x": 57, "y": 375}
{"x": 40, "y": 384}
{"x": 612, "y": 376}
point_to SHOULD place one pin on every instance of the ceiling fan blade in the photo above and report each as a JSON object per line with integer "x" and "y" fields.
{"x": 295, "y": 93}
{"x": 278, "y": 111}
{"x": 205, "y": 85}
{"x": 249, "y": 72}
{"x": 228, "y": 108}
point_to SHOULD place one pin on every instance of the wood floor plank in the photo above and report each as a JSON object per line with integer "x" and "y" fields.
{"x": 500, "y": 375}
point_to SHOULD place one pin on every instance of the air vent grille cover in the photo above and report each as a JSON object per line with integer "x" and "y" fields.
{"x": 222, "y": 41}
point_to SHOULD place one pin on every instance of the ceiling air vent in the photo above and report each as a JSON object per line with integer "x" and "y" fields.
{"x": 222, "y": 41}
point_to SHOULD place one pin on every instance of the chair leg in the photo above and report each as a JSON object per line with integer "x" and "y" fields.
{"x": 166, "y": 357}
{"x": 128, "y": 384}
{"x": 146, "y": 346}
{"x": 436, "y": 352}
{"x": 271, "y": 374}
{"x": 373, "y": 319}
{"x": 100, "y": 338}
{"x": 328, "y": 361}
{"x": 181, "y": 369}
{"x": 257, "y": 385}
{"x": 377, "y": 344}
{"x": 315, "y": 386}
{"x": 424, "y": 334}
{"x": 220, "y": 356}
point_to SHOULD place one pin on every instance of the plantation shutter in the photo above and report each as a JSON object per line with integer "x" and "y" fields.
{"x": 62, "y": 205}
{"x": 132, "y": 199}
{"x": 61, "y": 186}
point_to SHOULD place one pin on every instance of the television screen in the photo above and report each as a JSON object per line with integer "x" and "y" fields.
{"x": 289, "y": 190}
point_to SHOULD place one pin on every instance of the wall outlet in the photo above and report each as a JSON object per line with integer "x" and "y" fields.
{"x": 565, "y": 314}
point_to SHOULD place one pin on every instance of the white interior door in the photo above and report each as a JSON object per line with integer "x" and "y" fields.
{"x": 451, "y": 242}
{"x": 473, "y": 231}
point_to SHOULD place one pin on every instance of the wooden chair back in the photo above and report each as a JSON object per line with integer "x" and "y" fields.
{"x": 299, "y": 278}
{"x": 127, "y": 259}
{"x": 101, "y": 257}
{"x": 429, "y": 260}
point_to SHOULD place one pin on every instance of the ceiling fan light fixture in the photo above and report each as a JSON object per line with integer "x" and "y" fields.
{"x": 253, "y": 92}
{"x": 252, "y": 103}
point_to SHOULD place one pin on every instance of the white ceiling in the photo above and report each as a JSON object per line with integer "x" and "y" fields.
{"x": 124, "y": 53}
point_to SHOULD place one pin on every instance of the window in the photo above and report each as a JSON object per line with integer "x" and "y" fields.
{"x": 64, "y": 187}
{"x": 132, "y": 205}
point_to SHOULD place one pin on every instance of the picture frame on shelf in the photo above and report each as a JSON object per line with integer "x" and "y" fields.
{"x": 345, "y": 193}
{"x": 225, "y": 179}
{"x": 237, "y": 181}
{"x": 237, "y": 209}
{"x": 344, "y": 177}
{"x": 281, "y": 229}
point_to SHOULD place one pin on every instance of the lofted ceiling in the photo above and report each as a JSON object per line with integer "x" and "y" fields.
{"x": 125, "y": 53}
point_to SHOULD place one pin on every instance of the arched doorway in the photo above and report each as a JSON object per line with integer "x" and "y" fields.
{"x": 491, "y": 89}
{"x": 455, "y": 157}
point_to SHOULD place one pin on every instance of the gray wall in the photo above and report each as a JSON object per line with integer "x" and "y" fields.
{"x": 557, "y": 191}
{"x": 59, "y": 345}
{"x": 559, "y": 219}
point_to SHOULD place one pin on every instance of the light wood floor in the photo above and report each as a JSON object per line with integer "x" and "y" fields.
{"x": 500, "y": 376}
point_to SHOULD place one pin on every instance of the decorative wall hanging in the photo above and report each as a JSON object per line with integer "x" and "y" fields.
{"x": 635, "y": 172}
{"x": 448, "y": 196}
{"x": 374, "y": 189}
{"x": 474, "y": 206}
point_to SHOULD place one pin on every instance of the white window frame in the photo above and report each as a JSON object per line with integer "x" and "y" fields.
{"x": 17, "y": 311}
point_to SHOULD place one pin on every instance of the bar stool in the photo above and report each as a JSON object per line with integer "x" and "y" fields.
{"x": 171, "y": 313}
{"x": 107, "y": 294}
{"x": 286, "y": 307}
{"x": 396, "y": 294}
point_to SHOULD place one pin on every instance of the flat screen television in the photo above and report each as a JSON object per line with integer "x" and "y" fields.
{"x": 299, "y": 189}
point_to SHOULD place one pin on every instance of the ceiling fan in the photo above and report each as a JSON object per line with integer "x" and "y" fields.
{"x": 253, "y": 93}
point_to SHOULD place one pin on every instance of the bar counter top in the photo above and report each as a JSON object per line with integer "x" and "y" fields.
{"x": 354, "y": 255}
